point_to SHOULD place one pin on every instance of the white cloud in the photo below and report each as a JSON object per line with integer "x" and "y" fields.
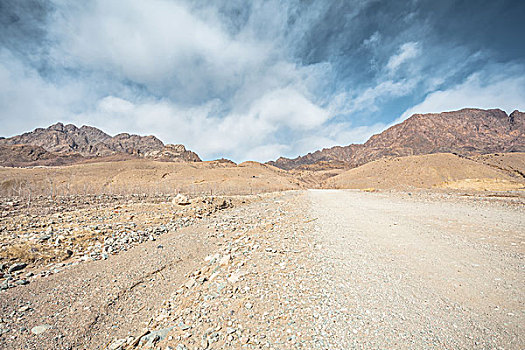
{"x": 26, "y": 96}
{"x": 497, "y": 86}
{"x": 254, "y": 86}
{"x": 243, "y": 136}
{"x": 162, "y": 44}
{"x": 406, "y": 52}
{"x": 289, "y": 108}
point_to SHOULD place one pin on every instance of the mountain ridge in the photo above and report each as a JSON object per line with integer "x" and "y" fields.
{"x": 69, "y": 143}
{"x": 467, "y": 131}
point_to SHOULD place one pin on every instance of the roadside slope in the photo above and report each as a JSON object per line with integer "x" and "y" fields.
{"x": 427, "y": 171}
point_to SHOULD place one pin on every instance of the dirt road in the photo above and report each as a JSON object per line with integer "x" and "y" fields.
{"x": 419, "y": 273}
{"x": 318, "y": 269}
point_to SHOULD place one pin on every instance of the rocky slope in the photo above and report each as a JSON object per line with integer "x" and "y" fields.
{"x": 465, "y": 132}
{"x": 29, "y": 155}
{"x": 89, "y": 142}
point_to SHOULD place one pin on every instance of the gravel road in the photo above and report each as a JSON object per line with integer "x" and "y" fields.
{"x": 317, "y": 269}
{"x": 407, "y": 272}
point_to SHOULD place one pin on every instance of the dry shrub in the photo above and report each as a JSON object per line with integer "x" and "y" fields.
{"x": 28, "y": 252}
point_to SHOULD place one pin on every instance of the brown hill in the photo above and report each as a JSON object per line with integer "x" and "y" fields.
{"x": 513, "y": 163}
{"x": 465, "y": 132}
{"x": 146, "y": 176}
{"x": 441, "y": 170}
{"x": 89, "y": 142}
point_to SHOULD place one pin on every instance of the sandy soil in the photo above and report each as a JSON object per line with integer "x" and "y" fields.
{"x": 311, "y": 269}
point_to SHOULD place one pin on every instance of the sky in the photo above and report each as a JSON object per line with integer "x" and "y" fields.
{"x": 255, "y": 80}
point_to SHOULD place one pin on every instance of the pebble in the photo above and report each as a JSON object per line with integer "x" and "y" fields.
{"x": 40, "y": 329}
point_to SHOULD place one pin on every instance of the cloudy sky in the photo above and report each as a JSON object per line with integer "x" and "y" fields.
{"x": 255, "y": 79}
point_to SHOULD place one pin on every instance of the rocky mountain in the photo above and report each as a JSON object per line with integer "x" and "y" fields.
{"x": 29, "y": 155}
{"x": 465, "y": 132}
{"x": 74, "y": 144}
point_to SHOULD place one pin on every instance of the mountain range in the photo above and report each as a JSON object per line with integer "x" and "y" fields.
{"x": 464, "y": 132}
{"x": 62, "y": 144}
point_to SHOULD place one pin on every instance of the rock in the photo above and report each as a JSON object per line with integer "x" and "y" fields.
{"x": 225, "y": 260}
{"x": 66, "y": 144}
{"x": 234, "y": 277}
{"x": 117, "y": 344}
{"x": 4, "y": 286}
{"x": 155, "y": 336}
{"x": 24, "y": 308}
{"x": 22, "y": 282}
{"x": 17, "y": 267}
{"x": 204, "y": 343}
{"x": 402, "y": 139}
{"x": 181, "y": 347}
{"x": 181, "y": 199}
{"x": 190, "y": 283}
{"x": 40, "y": 329}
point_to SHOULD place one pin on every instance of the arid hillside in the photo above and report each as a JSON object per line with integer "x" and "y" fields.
{"x": 67, "y": 144}
{"x": 145, "y": 176}
{"x": 466, "y": 132}
{"x": 443, "y": 170}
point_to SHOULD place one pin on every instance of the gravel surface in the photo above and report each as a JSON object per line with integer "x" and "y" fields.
{"x": 318, "y": 269}
{"x": 419, "y": 273}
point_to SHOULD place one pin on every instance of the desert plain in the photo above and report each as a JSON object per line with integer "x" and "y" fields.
{"x": 406, "y": 252}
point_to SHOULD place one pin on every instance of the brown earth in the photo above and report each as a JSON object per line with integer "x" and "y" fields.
{"x": 146, "y": 176}
{"x": 318, "y": 269}
{"x": 435, "y": 171}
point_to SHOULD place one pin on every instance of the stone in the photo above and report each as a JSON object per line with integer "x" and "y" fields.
{"x": 4, "y": 286}
{"x": 225, "y": 260}
{"x": 117, "y": 344}
{"x": 181, "y": 199}
{"x": 24, "y": 308}
{"x": 190, "y": 283}
{"x": 40, "y": 329}
{"x": 17, "y": 267}
{"x": 234, "y": 277}
{"x": 152, "y": 338}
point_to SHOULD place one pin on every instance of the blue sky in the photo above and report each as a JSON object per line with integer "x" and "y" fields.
{"x": 255, "y": 80}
